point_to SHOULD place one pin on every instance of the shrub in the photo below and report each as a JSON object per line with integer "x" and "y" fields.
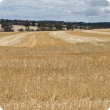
{"x": 21, "y": 30}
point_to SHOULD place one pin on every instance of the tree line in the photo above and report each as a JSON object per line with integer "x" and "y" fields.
{"x": 42, "y": 26}
{"x": 7, "y": 25}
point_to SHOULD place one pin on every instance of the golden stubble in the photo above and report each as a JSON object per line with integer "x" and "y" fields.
{"x": 3, "y": 34}
{"x": 102, "y": 30}
{"x": 84, "y": 33}
{"x": 54, "y": 75}
{"x": 40, "y": 39}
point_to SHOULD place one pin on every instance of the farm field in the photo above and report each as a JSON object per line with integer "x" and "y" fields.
{"x": 57, "y": 70}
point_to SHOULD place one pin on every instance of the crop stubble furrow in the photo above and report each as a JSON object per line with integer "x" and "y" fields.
{"x": 52, "y": 74}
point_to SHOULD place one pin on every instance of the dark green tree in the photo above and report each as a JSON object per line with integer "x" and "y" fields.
{"x": 76, "y": 26}
{"x": 27, "y": 24}
{"x": 42, "y": 24}
{"x": 33, "y": 23}
{"x": 72, "y": 27}
{"x": 69, "y": 26}
{"x": 7, "y": 27}
{"x": 58, "y": 26}
{"x": 50, "y": 25}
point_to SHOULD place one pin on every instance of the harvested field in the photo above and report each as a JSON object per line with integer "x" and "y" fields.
{"x": 97, "y": 32}
{"x": 103, "y": 30}
{"x": 78, "y": 37}
{"x": 91, "y": 33}
{"x": 3, "y": 34}
{"x": 46, "y": 71}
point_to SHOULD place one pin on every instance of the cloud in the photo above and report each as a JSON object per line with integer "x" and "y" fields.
{"x": 70, "y": 10}
{"x": 92, "y": 12}
{"x": 98, "y": 3}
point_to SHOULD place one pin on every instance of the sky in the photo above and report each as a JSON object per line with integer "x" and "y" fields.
{"x": 59, "y": 10}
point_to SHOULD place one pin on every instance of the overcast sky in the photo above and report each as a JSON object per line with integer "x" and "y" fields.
{"x": 62, "y": 10}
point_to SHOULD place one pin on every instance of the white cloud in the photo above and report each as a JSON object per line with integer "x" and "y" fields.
{"x": 67, "y": 10}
